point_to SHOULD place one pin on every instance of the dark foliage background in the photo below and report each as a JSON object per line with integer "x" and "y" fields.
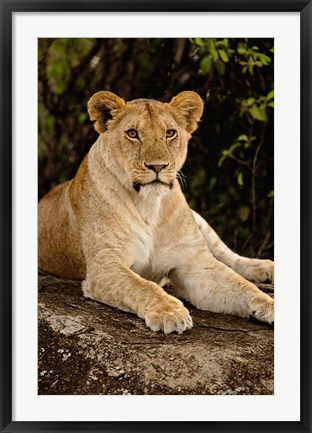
{"x": 229, "y": 171}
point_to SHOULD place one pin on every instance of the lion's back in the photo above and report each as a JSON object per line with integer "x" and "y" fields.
{"x": 59, "y": 249}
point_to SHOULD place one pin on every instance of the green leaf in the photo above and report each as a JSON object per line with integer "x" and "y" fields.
{"x": 241, "y": 50}
{"x": 270, "y": 95}
{"x": 221, "y": 160}
{"x": 242, "y": 137}
{"x": 270, "y": 194}
{"x": 199, "y": 42}
{"x": 250, "y": 101}
{"x": 233, "y": 147}
{"x": 270, "y": 104}
{"x": 206, "y": 64}
{"x": 240, "y": 179}
{"x": 214, "y": 53}
{"x": 262, "y": 108}
{"x": 223, "y": 43}
{"x": 224, "y": 56}
{"x": 257, "y": 113}
{"x": 264, "y": 59}
{"x": 220, "y": 66}
{"x": 249, "y": 142}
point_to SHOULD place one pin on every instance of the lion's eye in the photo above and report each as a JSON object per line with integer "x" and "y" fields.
{"x": 170, "y": 133}
{"x": 132, "y": 133}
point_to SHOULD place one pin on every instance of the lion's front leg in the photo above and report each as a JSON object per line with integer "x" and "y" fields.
{"x": 116, "y": 285}
{"x": 210, "y": 285}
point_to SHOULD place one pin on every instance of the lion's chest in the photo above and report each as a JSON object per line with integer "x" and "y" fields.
{"x": 143, "y": 246}
{"x": 141, "y": 250}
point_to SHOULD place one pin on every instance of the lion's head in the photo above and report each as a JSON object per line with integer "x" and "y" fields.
{"x": 145, "y": 141}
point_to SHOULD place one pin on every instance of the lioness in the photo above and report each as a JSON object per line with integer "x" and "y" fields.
{"x": 122, "y": 223}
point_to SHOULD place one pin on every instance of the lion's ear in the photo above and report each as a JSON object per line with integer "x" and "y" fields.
{"x": 101, "y": 107}
{"x": 189, "y": 107}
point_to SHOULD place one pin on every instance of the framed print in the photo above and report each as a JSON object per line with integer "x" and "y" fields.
{"x": 234, "y": 79}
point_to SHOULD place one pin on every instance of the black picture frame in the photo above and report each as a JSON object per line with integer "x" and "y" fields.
{"x": 8, "y": 7}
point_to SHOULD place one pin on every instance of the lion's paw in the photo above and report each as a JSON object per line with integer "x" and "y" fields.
{"x": 258, "y": 270}
{"x": 264, "y": 310}
{"x": 169, "y": 317}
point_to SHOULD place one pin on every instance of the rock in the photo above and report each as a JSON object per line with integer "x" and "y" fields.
{"x": 114, "y": 372}
{"x": 86, "y": 347}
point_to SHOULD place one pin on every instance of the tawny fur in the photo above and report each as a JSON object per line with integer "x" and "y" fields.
{"x": 121, "y": 232}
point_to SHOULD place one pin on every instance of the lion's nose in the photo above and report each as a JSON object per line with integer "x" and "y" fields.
{"x": 156, "y": 167}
